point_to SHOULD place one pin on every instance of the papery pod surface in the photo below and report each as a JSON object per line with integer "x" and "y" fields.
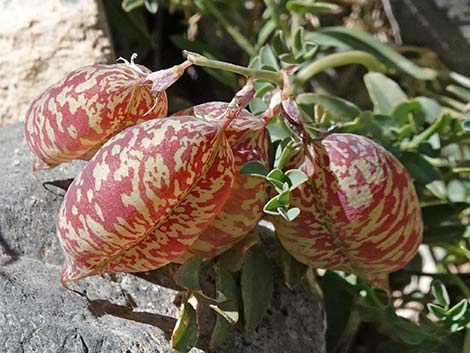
{"x": 359, "y": 209}
{"x": 145, "y": 197}
{"x": 249, "y": 141}
{"x": 73, "y": 118}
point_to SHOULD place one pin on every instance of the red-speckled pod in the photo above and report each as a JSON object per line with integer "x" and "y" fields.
{"x": 248, "y": 138}
{"x": 73, "y": 118}
{"x": 145, "y": 197}
{"x": 359, "y": 210}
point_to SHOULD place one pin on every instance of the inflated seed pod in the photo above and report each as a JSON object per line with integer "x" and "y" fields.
{"x": 145, "y": 197}
{"x": 73, "y": 118}
{"x": 359, "y": 209}
{"x": 248, "y": 139}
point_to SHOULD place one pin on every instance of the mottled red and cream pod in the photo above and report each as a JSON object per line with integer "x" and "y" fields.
{"x": 249, "y": 141}
{"x": 73, "y": 118}
{"x": 359, "y": 210}
{"x": 145, "y": 197}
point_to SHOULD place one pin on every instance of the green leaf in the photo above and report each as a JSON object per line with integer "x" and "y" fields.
{"x": 279, "y": 44}
{"x": 290, "y": 214}
{"x": 298, "y": 44}
{"x": 231, "y": 316}
{"x": 284, "y": 197}
{"x": 458, "y": 310}
{"x": 268, "y": 58}
{"x": 288, "y": 58}
{"x": 228, "y": 311}
{"x": 263, "y": 87}
{"x": 443, "y": 234}
{"x": 338, "y": 296}
{"x": 187, "y": 275}
{"x": 271, "y": 207}
{"x": 431, "y": 108}
{"x": 282, "y": 153}
{"x": 352, "y": 38}
{"x": 340, "y": 109}
{"x": 276, "y": 177}
{"x": 296, "y": 178}
{"x": 257, "y": 106}
{"x": 303, "y": 7}
{"x": 437, "y": 310}
{"x": 254, "y": 168}
{"x": 293, "y": 271}
{"x": 406, "y": 111}
{"x": 151, "y": 5}
{"x": 256, "y": 286}
{"x": 310, "y": 50}
{"x": 427, "y": 149}
{"x": 268, "y": 28}
{"x": 186, "y": 332}
{"x": 439, "y": 292}
{"x": 408, "y": 332}
{"x": 385, "y": 93}
{"x": 277, "y": 129}
{"x": 129, "y": 5}
{"x": 420, "y": 169}
{"x": 435, "y": 215}
{"x": 232, "y": 259}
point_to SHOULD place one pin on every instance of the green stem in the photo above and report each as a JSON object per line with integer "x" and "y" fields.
{"x": 453, "y": 103}
{"x": 462, "y": 93}
{"x": 276, "y": 16}
{"x": 466, "y": 342}
{"x": 296, "y": 22}
{"x": 461, "y": 170}
{"x": 339, "y": 59}
{"x": 456, "y": 139}
{"x": 239, "y": 38}
{"x": 426, "y": 134}
{"x": 200, "y": 60}
{"x": 460, "y": 79}
{"x": 457, "y": 281}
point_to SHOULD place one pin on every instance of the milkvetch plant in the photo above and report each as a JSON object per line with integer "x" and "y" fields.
{"x": 340, "y": 183}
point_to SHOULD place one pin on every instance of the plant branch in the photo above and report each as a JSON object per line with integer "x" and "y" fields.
{"x": 339, "y": 59}
{"x": 200, "y": 60}
{"x": 276, "y": 16}
{"x": 239, "y": 38}
{"x": 426, "y": 134}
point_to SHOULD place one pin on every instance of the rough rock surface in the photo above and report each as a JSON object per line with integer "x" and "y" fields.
{"x": 41, "y": 41}
{"x": 111, "y": 313}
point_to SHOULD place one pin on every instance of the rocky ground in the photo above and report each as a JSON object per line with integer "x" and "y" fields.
{"x": 110, "y": 313}
{"x": 40, "y": 42}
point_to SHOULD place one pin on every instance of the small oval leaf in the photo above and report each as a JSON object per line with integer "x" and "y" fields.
{"x": 186, "y": 332}
{"x": 256, "y": 286}
{"x": 187, "y": 275}
{"x": 440, "y": 293}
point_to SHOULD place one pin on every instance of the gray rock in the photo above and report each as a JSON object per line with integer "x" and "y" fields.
{"x": 38, "y": 315}
{"x": 110, "y": 313}
{"x": 27, "y": 209}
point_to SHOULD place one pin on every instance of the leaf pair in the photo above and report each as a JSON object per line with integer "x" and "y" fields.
{"x": 283, "y": 183}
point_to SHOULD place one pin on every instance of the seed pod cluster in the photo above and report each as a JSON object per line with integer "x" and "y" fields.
{"x": 359, "y": 209}
{"x": 248, "y": 140}
{"x": 145, "y": 197}
{"x": 157, "y": 191}
{"x": 73, "y": 118}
